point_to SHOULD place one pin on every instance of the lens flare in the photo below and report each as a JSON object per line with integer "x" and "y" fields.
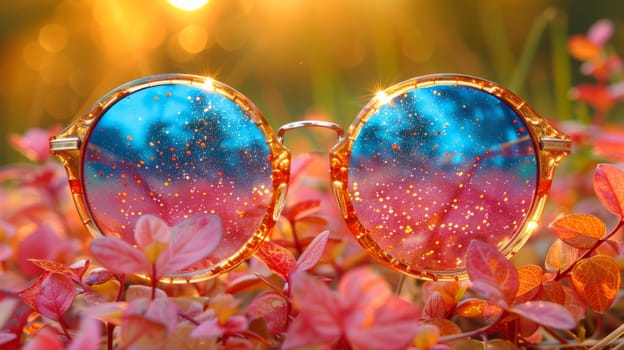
{"x": 188, "y": 5}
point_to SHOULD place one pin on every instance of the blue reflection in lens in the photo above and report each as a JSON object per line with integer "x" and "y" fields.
{"x": 438, "y": 167}
{"x": 173, "y": 151}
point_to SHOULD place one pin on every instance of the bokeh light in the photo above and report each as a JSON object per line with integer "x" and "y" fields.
{"x": 188, "y": 5}
{"x": 293, "y": 59}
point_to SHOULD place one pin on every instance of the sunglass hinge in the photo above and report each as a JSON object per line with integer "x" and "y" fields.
{"x": 555, "y": 144}
{"x": 65, "y": 144}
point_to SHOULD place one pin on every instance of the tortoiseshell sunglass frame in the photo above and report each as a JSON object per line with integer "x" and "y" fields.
{"x": 551, "y": 147}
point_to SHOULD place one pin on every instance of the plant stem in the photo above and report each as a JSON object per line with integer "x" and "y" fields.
{"x": 64, "y": 328}
{"x": 154, "y": 281}
{"x": 109, "y": 335}
{"x": 122, "y": 287}
{"x": 188, "y": 318}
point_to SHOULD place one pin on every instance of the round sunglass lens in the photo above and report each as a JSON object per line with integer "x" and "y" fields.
{"x": 437, "y": 167}
{"x": 175, "y": 151}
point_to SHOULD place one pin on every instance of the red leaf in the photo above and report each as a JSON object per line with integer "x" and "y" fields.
{"x": 597, "y": 281}
{"x": 609, "y": 187}
{"x": 14, "y": 313}
{"x": 6, "y": 338}
{"x": 119, "y": 256}
{"x": 51, "y": 295}
{"x": 277, "y": 258}
{"x": 193, "y": 239}
{"x": 435, "y": 306}
{"x": 271, "y": 307}
{"x": 486, "y": 263}
{"x": 75, "y": 271}
{"x": 313, "y": 253}
{"x": 546, "y": 313}
{"x": 57, "y": 293}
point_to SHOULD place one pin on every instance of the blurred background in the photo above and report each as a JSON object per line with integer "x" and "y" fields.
{"x": 295, "y": 59}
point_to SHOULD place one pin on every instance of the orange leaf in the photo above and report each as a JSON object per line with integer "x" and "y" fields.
{"x": 560, "y": 256}
{"x": 446, "y": 327}
{"x": 426, "y": 336}
{"x": 609, "y": 187}
{"x": 473, "y": 308}
{"x": 597, "y": 281}
{"x": 553, "y": 291}
{"x": 579, "y": 230}
{"x": 530, "y": 278}
{"x": 581, "y": 48}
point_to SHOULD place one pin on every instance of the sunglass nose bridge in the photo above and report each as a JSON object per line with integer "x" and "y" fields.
{"x": 310, "y": 123}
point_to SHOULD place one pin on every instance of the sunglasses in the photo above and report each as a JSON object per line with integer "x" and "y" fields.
{"x": 428, "y": 165}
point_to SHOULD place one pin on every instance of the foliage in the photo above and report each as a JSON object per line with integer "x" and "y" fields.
{"x": 310, "y": 286}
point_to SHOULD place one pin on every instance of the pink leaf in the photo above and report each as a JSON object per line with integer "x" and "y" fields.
{"x": 45, "y": 338}
{"x": 88, "y": 337}
{"x": 164, "y": 311}
{"x": 56, "y": 295}
{"x": 303, "y": 209}
{"x": 313, "y": 253}
{"x": 7, "y": 337}
{"x": 319, "y": 317}
{"x": 188, "y": 307}
{"x": 137, "y": 291}
{"x": 277, "y": 258}
{"x": 600, "y": 32}
{"x": 119, "y": 256}
{"x": 149, "y": 229}
{"x": 491, "y": 292}
{"x": 34, "y": 144}
{"x": 213, "y": 328}
{"x": 136, "y": 330}
{"x": 208, "y": 329}
{"x": 111, "y": 312}
{"x": 193, "y": 239}
{"x": 609, "y": 187}
{"x": 546, "y": 313}
{"x": 43, "y": 243}
{"x": 98, "y": 276}
{"x": 362, "y": 287}
{"x": 485, "y": 263}
{"x": 392, "y": 326}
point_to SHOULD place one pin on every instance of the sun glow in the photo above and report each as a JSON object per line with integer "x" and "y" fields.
{"x": 188, "y": 5}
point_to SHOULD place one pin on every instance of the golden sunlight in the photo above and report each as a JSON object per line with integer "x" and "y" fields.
{"x": 188, "y": 5}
